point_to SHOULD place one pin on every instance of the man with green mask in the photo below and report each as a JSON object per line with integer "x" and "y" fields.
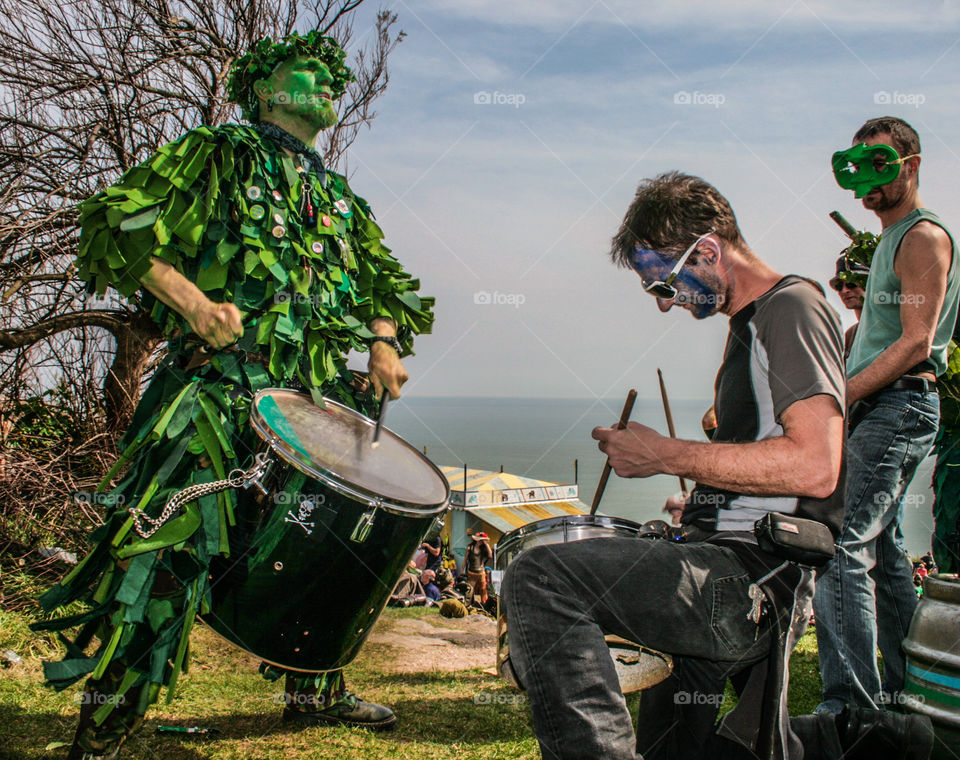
{"x": 263, "y": 269}
{"x": 865, "y": 595}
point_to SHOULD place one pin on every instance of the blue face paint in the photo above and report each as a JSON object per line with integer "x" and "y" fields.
{"x": 692, "y": 292}
{"x": 703, "y": 299}
{"x": 649, "y": 264}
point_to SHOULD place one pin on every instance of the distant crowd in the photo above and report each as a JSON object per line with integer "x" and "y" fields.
{"x": 432, "y": 577}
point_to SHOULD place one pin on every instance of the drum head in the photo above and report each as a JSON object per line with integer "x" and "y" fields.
{"x": 333, "y": 445}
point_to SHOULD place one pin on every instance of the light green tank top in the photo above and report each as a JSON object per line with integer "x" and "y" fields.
{"x": 880, "y": 322}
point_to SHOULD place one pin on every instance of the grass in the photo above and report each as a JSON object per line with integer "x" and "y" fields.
{"x": 464, "y": 714}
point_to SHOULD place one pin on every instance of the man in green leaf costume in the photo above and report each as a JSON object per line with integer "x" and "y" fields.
{"x": 263, "y": 270}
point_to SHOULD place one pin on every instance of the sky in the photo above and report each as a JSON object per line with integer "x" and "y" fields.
{"x": 513, "y": 135}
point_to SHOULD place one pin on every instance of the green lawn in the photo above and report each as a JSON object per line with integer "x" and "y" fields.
{"x": 464, "y": 714}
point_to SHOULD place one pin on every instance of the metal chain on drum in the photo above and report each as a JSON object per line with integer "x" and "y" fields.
{"x": 236, "y": 479}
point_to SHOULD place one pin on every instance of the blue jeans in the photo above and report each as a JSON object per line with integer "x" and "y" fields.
{"x": 684, "y": 599}
{"x": 865, "y": 595}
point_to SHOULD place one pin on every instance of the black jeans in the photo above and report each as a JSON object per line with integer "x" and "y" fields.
{"x": 687, "y": 599}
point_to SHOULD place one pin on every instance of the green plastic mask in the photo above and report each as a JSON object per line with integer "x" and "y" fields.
{"x": 863, "y": 167}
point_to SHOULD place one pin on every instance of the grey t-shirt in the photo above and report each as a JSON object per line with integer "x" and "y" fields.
{"x": 785, "y": 346}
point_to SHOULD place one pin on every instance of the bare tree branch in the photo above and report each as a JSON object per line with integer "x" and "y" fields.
{"x": 88, "y": 90}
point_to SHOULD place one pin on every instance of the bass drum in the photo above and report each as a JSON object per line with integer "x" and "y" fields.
{"x": 637, "y": 667}
{"x": 321, "y": 541}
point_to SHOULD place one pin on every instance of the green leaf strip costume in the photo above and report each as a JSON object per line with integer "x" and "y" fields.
{"x": 221, "y": 205}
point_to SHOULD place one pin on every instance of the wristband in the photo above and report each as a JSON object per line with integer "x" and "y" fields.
{"x": 389, "y": 340}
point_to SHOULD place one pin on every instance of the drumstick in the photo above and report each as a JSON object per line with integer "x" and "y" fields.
{"x": 666, "y": 411}
{"x": 383, "y": 413}
{"x": 605, "y": 475}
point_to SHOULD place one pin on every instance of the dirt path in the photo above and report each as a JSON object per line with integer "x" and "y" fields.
{"x": 435, "y": 643}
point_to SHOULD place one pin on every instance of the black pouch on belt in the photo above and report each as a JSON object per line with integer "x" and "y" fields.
{"x": 858, "y": 411}
{"x": 806, "y": 542}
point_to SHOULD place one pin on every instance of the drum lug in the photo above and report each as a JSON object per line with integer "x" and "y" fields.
{"x": 361, "y": 530}
{"x": 255, "y": 482}
{"x": 262, "y": 466}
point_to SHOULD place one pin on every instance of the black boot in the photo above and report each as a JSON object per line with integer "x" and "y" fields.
{"x": 875, "y": 734}
{"x": 332, "y": 704}
{"x": 819, "y": 736}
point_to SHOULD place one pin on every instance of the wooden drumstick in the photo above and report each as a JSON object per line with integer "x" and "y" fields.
{"x": 666, "y": 411}
{"x": 605, "y": 475}
{"x": 383, "y": 413}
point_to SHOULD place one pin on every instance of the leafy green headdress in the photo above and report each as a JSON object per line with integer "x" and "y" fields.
{"x": 260, "y": 61}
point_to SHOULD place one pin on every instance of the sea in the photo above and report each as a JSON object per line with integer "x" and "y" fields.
{"x": 549, "y": 439}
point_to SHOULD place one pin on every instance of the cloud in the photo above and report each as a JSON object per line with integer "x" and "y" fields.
{"x": 507, "y": 197}
{"x": 722, "y": 16}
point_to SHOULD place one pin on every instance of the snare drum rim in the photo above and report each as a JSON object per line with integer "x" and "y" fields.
{"x": 350, "y": 490}
{"x": 521, "y": 534}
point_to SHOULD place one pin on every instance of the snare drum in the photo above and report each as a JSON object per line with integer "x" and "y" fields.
{"x": 637, "y": 667}
{"x": 323, "y": 538}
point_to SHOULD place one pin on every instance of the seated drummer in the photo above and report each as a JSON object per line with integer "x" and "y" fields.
{"x": 780, "y": 397}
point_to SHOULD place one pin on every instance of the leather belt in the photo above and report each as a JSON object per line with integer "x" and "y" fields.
{"x": 905, "y": 383}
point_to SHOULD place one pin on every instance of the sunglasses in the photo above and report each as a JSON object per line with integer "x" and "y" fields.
{"x": 846, "y": 284}
{"x": 664, "y": 288}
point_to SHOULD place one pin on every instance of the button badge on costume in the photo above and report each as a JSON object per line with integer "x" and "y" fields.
{"x": 253, "y": 193}
{"x": 278, "y": 218}
{"x": 325, "y": 220}
{"x": 317, "y": 247}
{"x": 279, "y": 231}
{"x": 257, "y": 212}
{"x": 277, "y": 196}
{"x": 343, "y": 207}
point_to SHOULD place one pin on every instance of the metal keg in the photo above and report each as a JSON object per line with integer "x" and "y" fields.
{"x": 932, "y": 647}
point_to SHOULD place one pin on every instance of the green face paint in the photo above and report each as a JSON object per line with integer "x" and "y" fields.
{"x": 302, "y": 85}
{"x": 266, "y": 56}
{"x": 863, "y": 167}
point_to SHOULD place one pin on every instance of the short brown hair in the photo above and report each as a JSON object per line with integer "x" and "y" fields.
{"x": 904, "y": 137}
{"x": 671, "y": 211}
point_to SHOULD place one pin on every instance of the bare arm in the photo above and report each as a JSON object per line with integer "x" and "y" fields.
{"x": 804, "y": 461}
{"x": 385, "y": 366}
{"x": 922, "y": 264}
{"x": 218, "y": 324}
